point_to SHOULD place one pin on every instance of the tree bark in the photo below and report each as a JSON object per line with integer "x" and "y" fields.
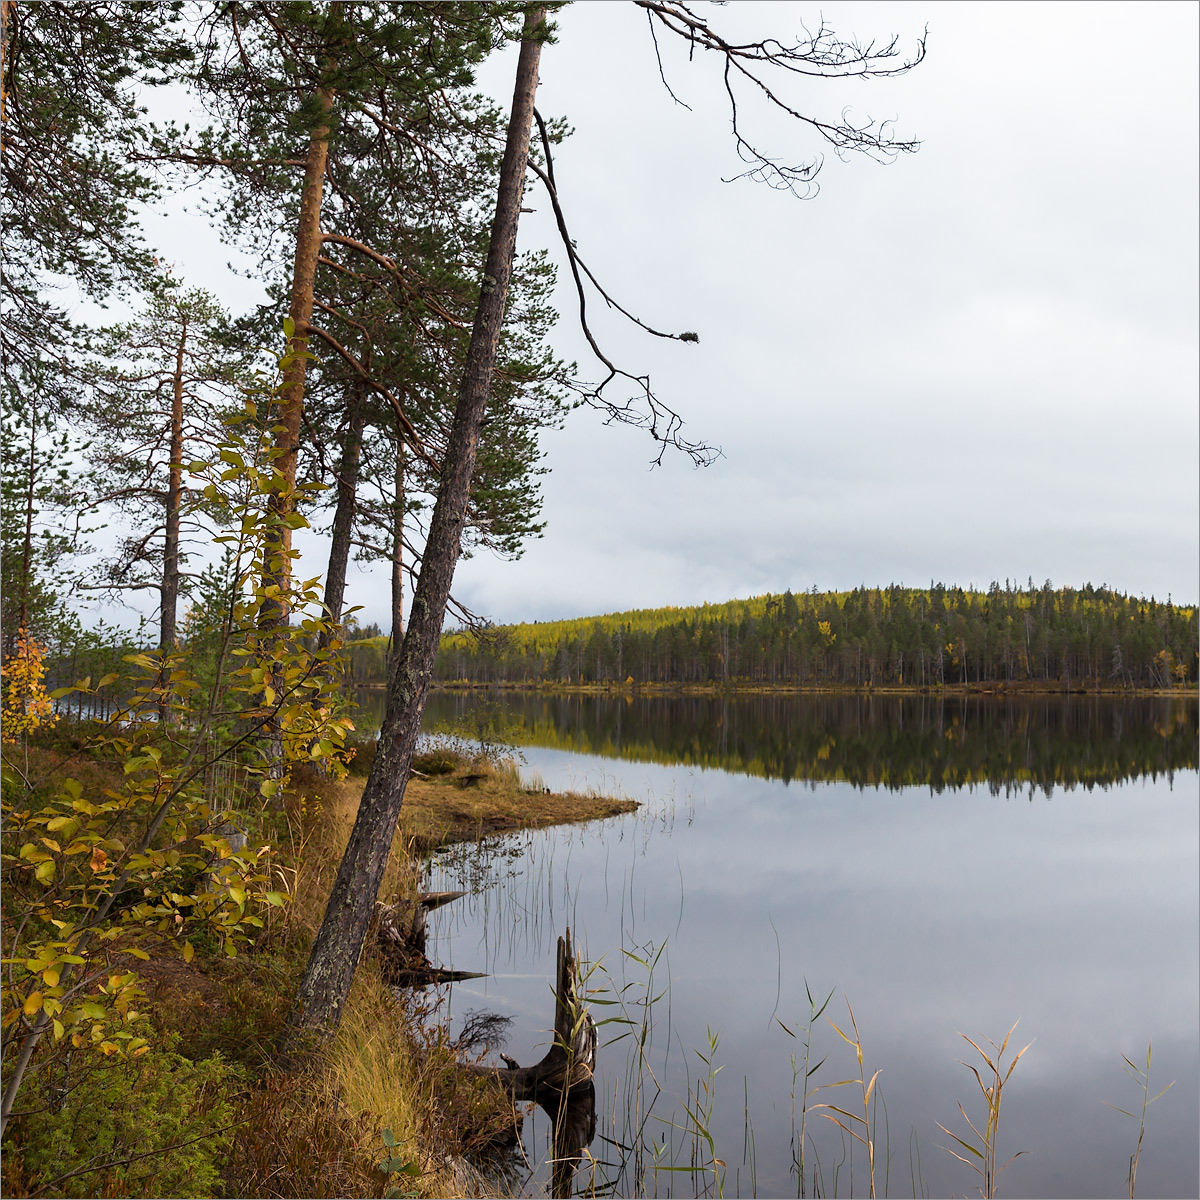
{"x": 398, "y": 546}
{"x": 339, "y": 942}
{"x": 277, "y": 569}
{"x": 343, "y": 516}
{"x": 27, "y": 545}
{"x": 167, "y": 637}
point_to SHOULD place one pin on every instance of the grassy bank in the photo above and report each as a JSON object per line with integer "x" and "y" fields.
{"x": 204, "y": 1110}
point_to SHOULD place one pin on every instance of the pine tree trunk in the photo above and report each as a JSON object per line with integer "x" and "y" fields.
{"x": 167, "y": 637}
{"x": 277, "y": 563}
{"x": 277, "y": 570}
{"x": 27, "y": 546}
{"x": 398, "y": 547}
{"x": 343, "y": 516}
{"x": 339, "y": 942}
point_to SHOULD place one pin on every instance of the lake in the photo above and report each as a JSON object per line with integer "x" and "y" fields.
{"x": 943, "y": 868}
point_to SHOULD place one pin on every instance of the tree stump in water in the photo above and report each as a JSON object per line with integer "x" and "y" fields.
{"x": 570, "y": 1062}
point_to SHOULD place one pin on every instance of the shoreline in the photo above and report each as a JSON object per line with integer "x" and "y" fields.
{"x": 1022, "y": 689}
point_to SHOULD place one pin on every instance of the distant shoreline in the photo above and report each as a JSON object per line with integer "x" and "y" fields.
{"x": 1022, "y": 689}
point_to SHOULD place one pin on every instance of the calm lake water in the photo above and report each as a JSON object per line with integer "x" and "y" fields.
{"x": 943, "y": 868}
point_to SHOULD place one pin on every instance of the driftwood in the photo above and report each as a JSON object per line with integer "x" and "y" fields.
{"x": 400, "y": 942}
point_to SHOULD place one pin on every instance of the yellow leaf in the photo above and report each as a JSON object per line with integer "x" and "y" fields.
{"x": 99, "y": 859}
{"x": 45, "y": 871}
{"x": 33, "y": 1002}
{"x": 51, "y": 976}
{"x": 188, "y": 951}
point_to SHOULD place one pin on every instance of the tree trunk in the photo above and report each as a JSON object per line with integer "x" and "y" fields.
{"x": 167, "y": 637}
{"x": 339, "y": 942}
{"x": 398, "y": 547}
{"x": 27, "y": 546}
{"x": 277, "y": 569}
{"x": 277, "y": 562}
{"x": 343, "y": 516}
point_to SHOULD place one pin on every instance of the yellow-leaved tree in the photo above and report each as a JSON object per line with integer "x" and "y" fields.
{"x": 97, "y": 881}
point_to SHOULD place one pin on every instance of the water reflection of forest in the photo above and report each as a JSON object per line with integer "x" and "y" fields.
{"x": 1007, "y": 743}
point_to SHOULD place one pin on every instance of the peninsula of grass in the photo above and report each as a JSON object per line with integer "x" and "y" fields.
{"x": 453, "y": 798}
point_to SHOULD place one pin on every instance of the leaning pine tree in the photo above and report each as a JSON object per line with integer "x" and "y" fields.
{"x": 339, "y": 942}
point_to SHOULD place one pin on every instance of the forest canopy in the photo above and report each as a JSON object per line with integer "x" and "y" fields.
{"x": 895, "y": 636}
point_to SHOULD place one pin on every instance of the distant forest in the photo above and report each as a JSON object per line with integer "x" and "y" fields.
{"x": 895, "y": 636}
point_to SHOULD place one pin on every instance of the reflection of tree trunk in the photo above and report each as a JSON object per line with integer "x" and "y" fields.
{"x": 338, "y": 944}
{"x": 398, "y": 547}
{"x": 574, "y": 1118}
{"x": 343, "y": 516}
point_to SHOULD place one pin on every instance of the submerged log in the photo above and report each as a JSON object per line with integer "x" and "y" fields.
{"x": 570, "y": 1062}
{"x": 400, "y": 942}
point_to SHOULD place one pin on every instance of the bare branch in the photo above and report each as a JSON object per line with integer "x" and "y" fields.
{"x": 644, "y": 411}
{"x": 821, "y": 55}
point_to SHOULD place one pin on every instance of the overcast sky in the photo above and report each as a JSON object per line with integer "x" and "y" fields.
{"x": 975, "y": 363}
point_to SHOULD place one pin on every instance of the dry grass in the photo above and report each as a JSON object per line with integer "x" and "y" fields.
{"x": 476, "y": 799}
{"x": 394, "y": 1067}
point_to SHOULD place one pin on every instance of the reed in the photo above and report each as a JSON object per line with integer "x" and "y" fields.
{"x": 860, "y": 1128}
{"x": 983, "y": 1154}
{"x": 808, "y": 1070}
{"x": 1142, "y": 1077}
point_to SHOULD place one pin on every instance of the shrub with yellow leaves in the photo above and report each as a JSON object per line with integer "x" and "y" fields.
{"x": 27, "y": 704}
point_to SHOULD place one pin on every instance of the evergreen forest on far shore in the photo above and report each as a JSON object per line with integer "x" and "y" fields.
{"x": 870, "y": 637}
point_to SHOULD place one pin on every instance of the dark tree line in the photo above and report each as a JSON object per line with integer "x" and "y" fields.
{"x": 1005, "y": 743}
{"x": 870, "y": 637}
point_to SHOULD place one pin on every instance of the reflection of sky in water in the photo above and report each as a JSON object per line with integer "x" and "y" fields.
{"x": 933, "y": 913}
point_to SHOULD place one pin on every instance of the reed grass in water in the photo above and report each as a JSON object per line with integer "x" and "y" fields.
{"x": 983, "y": 1154}
{"x": 1142, "y": 1078}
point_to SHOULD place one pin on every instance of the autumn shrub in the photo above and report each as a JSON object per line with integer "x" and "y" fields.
{"x": 155, "y": 1125}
